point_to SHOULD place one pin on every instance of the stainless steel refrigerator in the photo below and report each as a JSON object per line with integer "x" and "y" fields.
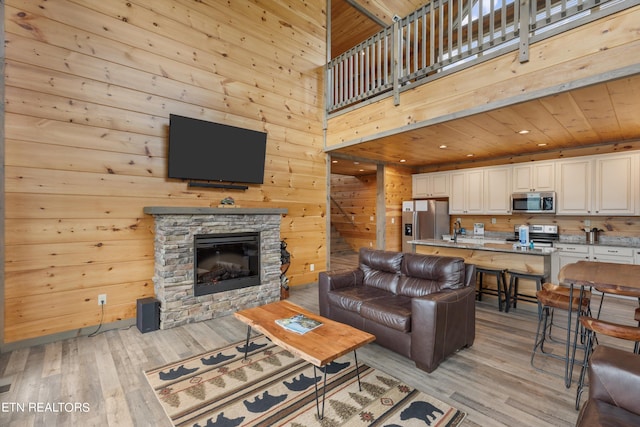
{"x": 424, "y": 219}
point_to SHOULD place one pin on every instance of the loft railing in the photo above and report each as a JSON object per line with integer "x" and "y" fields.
{"x": 445, "y": 36}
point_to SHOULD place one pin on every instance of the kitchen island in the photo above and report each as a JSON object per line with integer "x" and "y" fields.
{"x": 494, "y": 255}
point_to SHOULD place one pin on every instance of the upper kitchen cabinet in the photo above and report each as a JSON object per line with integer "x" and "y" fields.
{"x": 497, "y": 197}
{"x": 431, "y": 185}
{"x": 573, "y": 187}
{"x": 616, "y": 184}
{"x": 598, "y": 185}
{"x": 467, "y": 192}
{"x": 536, "y": 176}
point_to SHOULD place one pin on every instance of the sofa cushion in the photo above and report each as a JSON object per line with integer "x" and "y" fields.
{"x": 599, "y": 413}
{"x": 351, "y": 299}
{"x": 426, "y": 274}
{"x": 393, "y": 311}
{"x": 381, "y": 268}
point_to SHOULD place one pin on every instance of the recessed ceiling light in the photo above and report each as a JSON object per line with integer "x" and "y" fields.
{"x": 443, "y": 146}
{"x": 334, "y": 161}
{"x": 360, "y": 170}
{"x": 542, "y": 144}
{"x": 523, "y": 132}
{"x": 469, "y": 155}
{"x": 403, "y": 161}
{"x": 356, "y": 163}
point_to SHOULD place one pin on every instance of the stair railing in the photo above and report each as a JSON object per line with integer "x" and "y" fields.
{"x": 445, "y": 36}
{"x": 342, "y": 211}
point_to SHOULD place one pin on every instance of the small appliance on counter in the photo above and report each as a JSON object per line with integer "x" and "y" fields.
{"x": 523, "y": 235}
{"x": 478, "y": 229}
{"x": 541, "y": 235}
{"x": 592, "y": 235}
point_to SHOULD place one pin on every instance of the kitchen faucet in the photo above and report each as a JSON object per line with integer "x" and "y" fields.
{"x": 456, "y": 231}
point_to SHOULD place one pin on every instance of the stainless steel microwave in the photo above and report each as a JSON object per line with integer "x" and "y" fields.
{"x": 534, "y": 202}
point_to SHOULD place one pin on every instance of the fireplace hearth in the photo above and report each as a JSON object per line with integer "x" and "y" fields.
{"x": 224, "y": 262}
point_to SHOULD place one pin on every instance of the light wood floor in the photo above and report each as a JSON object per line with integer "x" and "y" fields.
{"x": 492, "y": 381}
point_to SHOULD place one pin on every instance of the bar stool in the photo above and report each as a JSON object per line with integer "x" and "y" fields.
{"x": 550, "y": 298}
{"x": 514, "y": 293}
{"x": 501, "y": 283}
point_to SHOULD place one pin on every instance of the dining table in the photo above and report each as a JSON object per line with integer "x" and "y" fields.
{"x": 605, "y": 277}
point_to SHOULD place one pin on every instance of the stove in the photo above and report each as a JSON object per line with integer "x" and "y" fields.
{"x": 541, "y": 235}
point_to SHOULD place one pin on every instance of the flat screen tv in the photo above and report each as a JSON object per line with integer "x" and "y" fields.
{"x": 208, "y": 151}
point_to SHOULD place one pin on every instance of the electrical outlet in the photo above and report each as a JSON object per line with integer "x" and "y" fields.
{"x": 587, "y": 222}
{"x": 102, "y": 299}
{"x": 493, "y": 220}
{"x": 312, "y": 267}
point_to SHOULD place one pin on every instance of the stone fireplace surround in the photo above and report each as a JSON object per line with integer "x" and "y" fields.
{"x": 173, "y": 278}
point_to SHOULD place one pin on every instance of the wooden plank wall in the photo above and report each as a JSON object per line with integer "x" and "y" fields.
{"x": 90, "y": 85}
{"x": 397, "y": 187}
{"x": 356, "y": 195}
{"x": 614, "y": 226}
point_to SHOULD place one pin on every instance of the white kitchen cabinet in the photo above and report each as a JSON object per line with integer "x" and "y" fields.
{"x": 568, "y": 253}
{"x": 467, "y": 192}
{"x": 430, "y": 185}
{"x": 497, "y": 197}
{"x": 597, "y": 185}
{"x": 614, "y": 254}
{"x": 616, "y": 182}
{"x": 636, "y": 256}
{"x": 573, "y": 186}
{"x": 536, "y": 176}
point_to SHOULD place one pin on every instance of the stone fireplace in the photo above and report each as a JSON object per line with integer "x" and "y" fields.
{"x": 176, "y": 232}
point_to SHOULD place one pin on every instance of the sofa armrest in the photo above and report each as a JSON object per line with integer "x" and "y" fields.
{"x": 614, "y": 377}
{"x": 328, "y": 281}
{"x": 441, "y": 323}
{"x": 470, "y": 275}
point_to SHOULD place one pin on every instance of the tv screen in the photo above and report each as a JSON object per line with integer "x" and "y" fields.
{"x": 202, "y": 150}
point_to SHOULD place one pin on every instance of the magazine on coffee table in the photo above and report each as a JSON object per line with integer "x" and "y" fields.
{"x": 299, "y": 323}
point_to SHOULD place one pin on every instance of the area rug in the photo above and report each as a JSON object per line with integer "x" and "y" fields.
{"x": 272, "y": 387}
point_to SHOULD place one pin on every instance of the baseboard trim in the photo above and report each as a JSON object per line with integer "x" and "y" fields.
{"x": 83, "y": 332}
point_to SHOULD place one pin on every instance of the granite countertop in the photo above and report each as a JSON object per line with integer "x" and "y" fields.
{"x": 619, "y": 243}
{"x": 494, "y": 247}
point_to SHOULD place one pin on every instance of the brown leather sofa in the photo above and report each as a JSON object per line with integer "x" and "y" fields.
{"x": 421, "y": 306}
{"x": 614, "y": 389}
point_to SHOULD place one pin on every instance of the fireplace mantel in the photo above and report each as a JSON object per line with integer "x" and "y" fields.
{"x": 188, "y": 210}
{"x": 175, "y": 228}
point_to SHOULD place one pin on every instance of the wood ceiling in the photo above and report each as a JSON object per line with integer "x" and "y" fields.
{"x": 589, "y": 118}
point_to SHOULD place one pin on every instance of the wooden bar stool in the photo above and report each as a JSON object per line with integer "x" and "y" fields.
{"x": 501, "y": 281}
{"x": 550, "y": 298}
{"x": 514, "y": 293}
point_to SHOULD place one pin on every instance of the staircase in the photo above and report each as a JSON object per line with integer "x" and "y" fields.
{"x": 339, "y": 246}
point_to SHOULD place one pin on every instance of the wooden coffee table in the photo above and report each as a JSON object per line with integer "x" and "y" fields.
{"x": 319, "y": 346}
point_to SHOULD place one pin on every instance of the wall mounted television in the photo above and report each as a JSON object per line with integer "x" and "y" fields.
{"x": 208, "y": 151}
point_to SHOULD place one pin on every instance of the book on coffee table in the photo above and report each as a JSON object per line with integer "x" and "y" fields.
{"x": 299, "y": 323}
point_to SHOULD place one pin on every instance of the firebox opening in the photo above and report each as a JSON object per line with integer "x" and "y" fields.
{"x": 223, "y": 262}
